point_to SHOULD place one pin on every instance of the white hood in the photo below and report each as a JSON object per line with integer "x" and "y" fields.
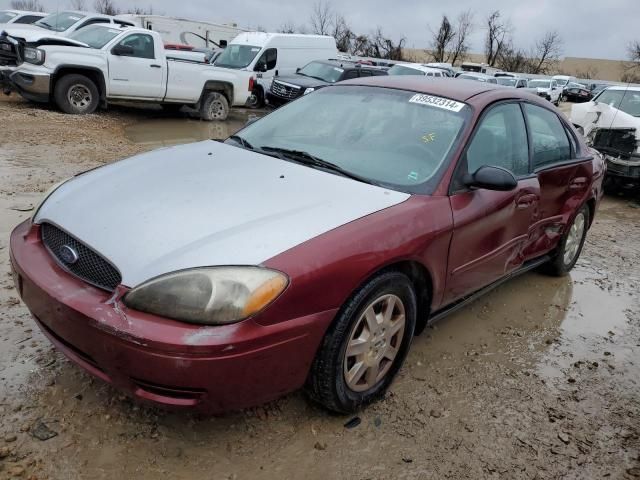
{"x": 34, "y": 34}
{"x": 205, "y": 204}
{"x": 592, "y": 115}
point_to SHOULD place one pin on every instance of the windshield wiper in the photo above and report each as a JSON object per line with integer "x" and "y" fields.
{"x": 308, "y": 159}
{"x": 46, "y": 25}
{"x": 241, "y": 141}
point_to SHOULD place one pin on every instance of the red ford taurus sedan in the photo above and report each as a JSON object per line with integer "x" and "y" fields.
{"x": 309, "y": 248}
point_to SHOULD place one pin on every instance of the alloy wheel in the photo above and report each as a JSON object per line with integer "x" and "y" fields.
{"x": 374, "y": 343}
{"x": 574, "y": 239}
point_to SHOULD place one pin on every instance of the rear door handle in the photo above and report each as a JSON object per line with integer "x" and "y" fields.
{"x": 526, "y": 200}
{"x": 153, "y": 65}
{"x": 578, "y": 183}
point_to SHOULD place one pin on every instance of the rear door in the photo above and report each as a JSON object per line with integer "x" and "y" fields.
{"x": 491, "y": 228}
{"x": 564, "y": 180}
{"x": 139, "y": 74}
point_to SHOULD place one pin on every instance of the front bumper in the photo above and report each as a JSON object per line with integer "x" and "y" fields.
{"x": 35, "y": 87}
{"x": 174, "y": 364}
{"x": 627, "y": 169}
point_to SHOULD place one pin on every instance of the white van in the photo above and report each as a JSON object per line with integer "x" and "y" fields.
{"x": 563, "y": 80}
{"x": 274, "y": 54}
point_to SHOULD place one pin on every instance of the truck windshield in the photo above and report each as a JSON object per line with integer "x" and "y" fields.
{"x": 237, "y": 56}
{"x": 59, "y": 22}
{"x": 627, "y": 101}
{"x": 6, "y": 16}
{"x": 394, "y": 138}
{"x": 96, "y": 36}
{"x": 322, "y": 71}
{"x": 400, "y": 70}
{"x": 539, "y": 84}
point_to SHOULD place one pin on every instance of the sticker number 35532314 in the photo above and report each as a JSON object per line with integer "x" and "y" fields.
{"x": 437, "y": 102}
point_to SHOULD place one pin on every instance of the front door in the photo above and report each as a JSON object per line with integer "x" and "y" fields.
{"x": 137, "y": 74}
{"x": 492, "y": 228}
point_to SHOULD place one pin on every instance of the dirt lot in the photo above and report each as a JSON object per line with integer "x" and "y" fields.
{"x": 540, "y": 379}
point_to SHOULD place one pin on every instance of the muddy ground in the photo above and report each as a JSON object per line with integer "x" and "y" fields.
{"x": 539, "y": 379}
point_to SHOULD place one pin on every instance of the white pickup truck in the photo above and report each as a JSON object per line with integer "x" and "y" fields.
{"x": 103, "y": 63}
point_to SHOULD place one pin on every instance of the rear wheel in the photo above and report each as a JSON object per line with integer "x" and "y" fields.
{"x": 76, "y": 94}
{"x": 366, "y": 345}
{"x": 215, "y": 107}
{"x": 571, "y": 245}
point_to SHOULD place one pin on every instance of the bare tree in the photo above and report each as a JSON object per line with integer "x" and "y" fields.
{"x": 342, "y": 33}
{"x": 140, "y": 10}
{"x": 632, "y": 67}
{"x": 442, "y": 39}
{"x": 321, "y": 17}
{"x": 107, "y": 7}
{"x": 497, "y": 37}
{"x": 384, "y": 47}
{"x": 78, "y": 5}
{"x": 512, "y": 59}
{"x": 287, "y": 27}
{"x": 29, "y": 5}
{"x": 464, "y": 29}
{"x": 546, "y": 53}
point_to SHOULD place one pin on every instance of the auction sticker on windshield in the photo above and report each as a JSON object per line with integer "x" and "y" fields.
{"x": 438, "y": 102}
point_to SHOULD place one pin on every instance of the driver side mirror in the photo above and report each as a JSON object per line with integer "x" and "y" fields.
{"x": 122, "y": 50}
{"x": 491, "y": 178}
{"x": 298, "y": 70}
{"x": 261, "y": 67}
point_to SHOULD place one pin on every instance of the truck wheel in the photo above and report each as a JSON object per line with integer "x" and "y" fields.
{"x": 76, "y": 94}
{"x": 214, "y": 107}
{"x": 257, "y": 98}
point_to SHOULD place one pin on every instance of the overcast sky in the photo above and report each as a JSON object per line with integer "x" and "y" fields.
{"x": 589, "y": 28}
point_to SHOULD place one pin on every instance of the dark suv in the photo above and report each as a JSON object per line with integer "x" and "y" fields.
{"x": 315, "y": 75}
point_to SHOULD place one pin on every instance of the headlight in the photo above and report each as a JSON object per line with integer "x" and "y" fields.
{"x": 46, "y": 196}
{"x": 34, "y": 55}
{"x": 210, "y": 296}
{"x": 309, "y": 90}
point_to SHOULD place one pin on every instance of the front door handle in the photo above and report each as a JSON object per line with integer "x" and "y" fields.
{"x": 526, "y": 200}
{"x": 153, "y": 65}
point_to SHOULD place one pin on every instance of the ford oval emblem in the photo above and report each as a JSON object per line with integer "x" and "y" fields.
{"x": 68, "y": 255}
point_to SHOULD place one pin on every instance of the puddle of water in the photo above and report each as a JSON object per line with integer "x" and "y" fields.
{"x": 164, "y": 132}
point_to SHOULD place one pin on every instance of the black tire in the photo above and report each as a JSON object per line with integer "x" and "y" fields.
{"x": 326, "y": 383}
{"x": 76, "y": 94}
{"x": 559, "y": 265}
{"x": 215, "y": 107}
{"x": 258, "y": 102}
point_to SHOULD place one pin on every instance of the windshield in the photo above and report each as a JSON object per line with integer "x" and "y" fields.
{"x": 561, "y": 82}
{"x": 322, "y": 71}
{"x": 390, "y": 137}
{"x": 400, "y": 70}
{"x": 473, "y": 77}
{"x": 539, "y": 83}
{"x": 59, "y": 22}
{"x": 237, "y": 56}
{"x": 95, "y": 36}
{"x": 508, "y": 82}
{"x": 627, "y": 101}
{"x": 6, "y": 16}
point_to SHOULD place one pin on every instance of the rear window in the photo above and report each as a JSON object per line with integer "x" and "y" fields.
{"x": 59, "y": 22}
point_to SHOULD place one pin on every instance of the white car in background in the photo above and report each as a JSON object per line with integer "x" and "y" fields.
{"x": 478, "y": 77}
{"x": 512, "y": 82}
{"x": 19, "y": 17}
{"x": 416, "y": 69}
{"x": 546, "y": 88}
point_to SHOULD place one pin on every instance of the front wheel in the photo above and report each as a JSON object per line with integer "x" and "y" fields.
{"x": 570, "y": 245}
{"x": 366, "y": 345}
{"x": 76, "y": 94}
{"x": 215, "y": 107}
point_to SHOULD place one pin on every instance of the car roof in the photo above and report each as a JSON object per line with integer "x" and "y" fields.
{"x": 419, "y": 67}
{"x": 460, "y": 90}
{"x": 347, "y": 64}
{"x": 24, "y": 12}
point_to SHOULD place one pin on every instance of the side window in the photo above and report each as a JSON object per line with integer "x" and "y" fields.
{"x": 268, "y": 60}
{"x": 141, "y": 43}
{"x": 548, "y": 136}
{"x": 350, "y": 74}
{"x": 500, "y": 141}
{"x": 27, "y": 19}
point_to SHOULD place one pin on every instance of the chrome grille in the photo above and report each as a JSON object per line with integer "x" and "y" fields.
{"x": 285, "y": 91}
{"x": 89, "y": 266}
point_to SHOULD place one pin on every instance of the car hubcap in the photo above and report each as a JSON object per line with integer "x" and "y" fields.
{"x": 79, "y": 96}
{"x": 574, "y": 239}
{"x": 374, "y": 343}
